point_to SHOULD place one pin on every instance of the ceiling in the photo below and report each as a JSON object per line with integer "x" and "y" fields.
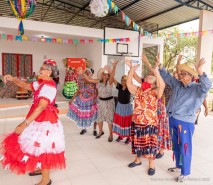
{"x": 151, "y": 15}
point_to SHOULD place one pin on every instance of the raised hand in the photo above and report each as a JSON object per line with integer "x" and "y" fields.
{"x": 128, "y": 62}
{"x": 8, "y": 78}
{"x": 146, "y": 61}
{"x": 107, "y": 68}
{"x": 179, "y": 59}
{"x": 155, "y": 70}
{"x": 135, "y": 67}
{"x": 158, "y": 59}
{"x": 115, "y": 62}
{"x": 199, "y": 66}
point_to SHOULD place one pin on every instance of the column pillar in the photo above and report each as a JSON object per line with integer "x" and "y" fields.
{"x": 205, "y": 42}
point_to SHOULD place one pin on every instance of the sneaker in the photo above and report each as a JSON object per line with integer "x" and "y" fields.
{"x": 182, "y": 178}
{"x": 119, "y": 139}
{"x": 128, "y": 140}
{"x": 83, "y": 131}
{"x": 94, "y": 133}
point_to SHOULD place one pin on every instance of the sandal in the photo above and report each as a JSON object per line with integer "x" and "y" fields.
{"x": 97, "y": 137}
{"x": 49, "y": 183}
{"x": 119, "y": 139}
{"x": 128, "y": 140}
{"x": 110, "y": 139}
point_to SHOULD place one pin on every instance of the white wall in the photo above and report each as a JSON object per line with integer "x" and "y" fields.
{"x": 38, "y": 50}
{"x": 32, "y": 26}
{"x": 94, "y": 53}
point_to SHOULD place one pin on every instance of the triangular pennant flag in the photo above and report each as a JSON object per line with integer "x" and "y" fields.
{"x": 24, "y": 37}
{"x": 48, "y": 40}
{"x": 115, "y": 9}
{"x": 54, "y": 40}
{"x": 9, "y": 37}
{"x": 65, "y": 41}
{"x": 59, "y": 40}
{"x": 18, "y": 37}
{"x": 70, "y": 41}
{"x": 123, "y": 16}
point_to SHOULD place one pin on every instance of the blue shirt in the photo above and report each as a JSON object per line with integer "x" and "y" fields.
{"x": 185, "y": 100}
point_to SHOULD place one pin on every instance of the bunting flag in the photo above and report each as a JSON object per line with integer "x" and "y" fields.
{"x": 10, "y": 37}
{"x": 125, "y": 18}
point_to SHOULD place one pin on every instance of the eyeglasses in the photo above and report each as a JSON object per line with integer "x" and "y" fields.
{"x": 42, "y": 68}
{"x": 184, "y": 74}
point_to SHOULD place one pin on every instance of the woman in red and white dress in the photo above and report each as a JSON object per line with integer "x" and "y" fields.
{"x": 38, "y": 142}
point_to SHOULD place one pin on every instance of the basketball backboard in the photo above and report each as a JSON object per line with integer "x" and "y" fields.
{"x": 128, "y": 46}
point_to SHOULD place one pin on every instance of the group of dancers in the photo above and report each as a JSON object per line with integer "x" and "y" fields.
{"x": 37, "y": 144}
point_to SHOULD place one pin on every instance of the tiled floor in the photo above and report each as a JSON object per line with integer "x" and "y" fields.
{"x": 93, "y": 161}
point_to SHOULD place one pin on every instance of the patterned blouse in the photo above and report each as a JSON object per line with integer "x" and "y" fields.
{"x": 145, "y": 111}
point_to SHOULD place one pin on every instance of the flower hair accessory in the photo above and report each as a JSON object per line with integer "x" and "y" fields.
{"x": 50, "y": 61}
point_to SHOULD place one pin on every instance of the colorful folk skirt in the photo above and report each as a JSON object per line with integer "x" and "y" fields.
{"x": 40, "y": 146}
{"x": 144, "y": 140}
{"x": 122, "y": 120}
{"x": 84, "y": 112}
{"x": 69, "y": 89}
{"x": 164, "y": 138}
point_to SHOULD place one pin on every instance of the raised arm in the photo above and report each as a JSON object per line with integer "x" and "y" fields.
{"x": 112, "y": 72}
{"x": 205, "y": 83}
{"x": 87, "y": 78}
{"x": 167, "y": 77}
{"x": 114, "y": 65}
{"x": 146, "y": 61}
{"x": 178, "y": 62}
{"x": 18, "y": 82}
{"x": 135, "y": 76}
{"x": 131, "y": 87}
{"x": 159, "y": 80}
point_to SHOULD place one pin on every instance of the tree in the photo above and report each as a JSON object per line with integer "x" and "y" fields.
{"x": 176, "y": 45}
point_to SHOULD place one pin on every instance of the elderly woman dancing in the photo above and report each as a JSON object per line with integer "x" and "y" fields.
{"x": 144, "y": 130}
{"x": 38, "y": 141}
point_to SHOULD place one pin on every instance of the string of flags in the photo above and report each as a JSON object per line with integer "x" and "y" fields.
{"x": 129, "y": 22}
{"x": 10, "y": 37}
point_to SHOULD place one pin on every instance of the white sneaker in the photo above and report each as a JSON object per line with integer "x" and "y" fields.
{"x": 182, "y": 178}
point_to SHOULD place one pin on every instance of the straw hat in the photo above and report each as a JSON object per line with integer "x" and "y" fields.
{"x": 188, "y": 69}
{"x": 100, "y": 72}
